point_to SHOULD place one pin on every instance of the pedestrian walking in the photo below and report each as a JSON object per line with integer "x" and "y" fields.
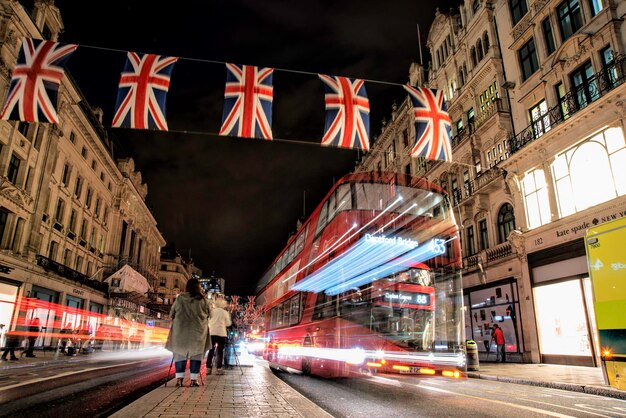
{"x": 498, "y": 336}
{"x": 220, "y": 320}
{"x": 12, "y": 342}
{"x": 33, "y": 333}
{"x": 66, "y": 338}
{"x": 189, "y": 334}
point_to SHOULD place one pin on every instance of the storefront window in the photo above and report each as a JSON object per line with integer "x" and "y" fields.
{"x": 591, "y": 172}
{"x": 497, "y": 304}
{"x": 8, "y": 295}
{"x": 561, "y": 319}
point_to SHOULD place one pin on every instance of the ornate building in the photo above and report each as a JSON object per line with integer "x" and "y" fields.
{"x": 533, "y": 90}
{"x": 70, "y": 215}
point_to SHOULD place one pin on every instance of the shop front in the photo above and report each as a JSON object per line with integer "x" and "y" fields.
{"x": 564, "y": 311}
{"x": 494, "y": 303}
{"x": 9, "y": 290}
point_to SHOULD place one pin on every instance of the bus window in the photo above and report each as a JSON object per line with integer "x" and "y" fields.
{"x": 321, "y": 222}
{"x": 332, "y": 207}
{"x": 324, "y": 306}
{"x": 294, "y": 314}
{"x": 300, "y": 241}
{"x": 285, "y": 306}
{"x": 344, "y": 198}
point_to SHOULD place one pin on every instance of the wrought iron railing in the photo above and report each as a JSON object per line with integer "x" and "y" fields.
{"x": 66, "y": 272}
{"x": 592, "y": 89}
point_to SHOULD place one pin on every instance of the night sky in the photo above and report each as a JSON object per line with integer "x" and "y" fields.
{"x": 232, "y": 202}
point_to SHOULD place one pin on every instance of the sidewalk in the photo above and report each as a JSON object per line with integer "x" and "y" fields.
{"x": 256, "y": 392}
{"x": 573, "y": 378}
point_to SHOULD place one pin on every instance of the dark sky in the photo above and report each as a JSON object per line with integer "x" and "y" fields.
{"x": 234, "y": 201}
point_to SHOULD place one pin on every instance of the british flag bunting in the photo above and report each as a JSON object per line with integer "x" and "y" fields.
{"x": 432, "y": 124}
{"x": 248, "y": 98}
{"x": 35, "y": 82}
{"x": 347, "y": 113}
{"x": 142, "y": 92}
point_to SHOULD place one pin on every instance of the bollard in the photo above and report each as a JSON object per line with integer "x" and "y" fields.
{"x": 471, "y": 355}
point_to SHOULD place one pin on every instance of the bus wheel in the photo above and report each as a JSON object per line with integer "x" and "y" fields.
{"x": 306, "y": 361}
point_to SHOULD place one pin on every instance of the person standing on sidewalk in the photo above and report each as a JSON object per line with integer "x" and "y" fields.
{"x": 498, "y": 336}
{"x": 33, "y": 333}
{"x": 12, "y": 342}
{"x": 189, "y": 335}
{"x": 220, "y": 320}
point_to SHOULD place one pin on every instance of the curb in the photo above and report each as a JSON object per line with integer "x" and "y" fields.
{"x": 592, "y": 390}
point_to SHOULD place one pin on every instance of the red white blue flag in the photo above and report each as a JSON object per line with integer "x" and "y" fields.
{"x": 347, "y": 113}
{"x": 248, "y": 102}
{"x": 432, "y": 124}
{"x": 142, "y": 92}
{"x": 35, "y": 83}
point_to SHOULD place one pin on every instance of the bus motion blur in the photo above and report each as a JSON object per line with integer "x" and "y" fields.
{"x": 369, "y": 283}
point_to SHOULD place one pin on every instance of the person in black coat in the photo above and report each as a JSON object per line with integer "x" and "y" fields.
{"x": 12, "y": 342}
{"x": 33, "y": 333}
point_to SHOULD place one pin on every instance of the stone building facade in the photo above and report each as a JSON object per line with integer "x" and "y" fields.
{"x": 533, "y": 90}
{"x": 70, "y": 214}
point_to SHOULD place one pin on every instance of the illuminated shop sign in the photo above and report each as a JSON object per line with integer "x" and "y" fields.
{"x": 391, "y": 241}
{"x": 408, "y": 298}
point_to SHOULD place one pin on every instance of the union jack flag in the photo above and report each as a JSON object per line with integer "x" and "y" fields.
{"x": 248, "y": 102}
{"x": 35, "y": 83}
{"x": 347, "y": 113}
{"x": 142, "y": 92}
{"x": 432, "y": 124}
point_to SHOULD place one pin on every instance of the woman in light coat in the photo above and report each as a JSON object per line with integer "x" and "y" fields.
{"x": 189, "y": 335}
{"x": 218, "y": 322}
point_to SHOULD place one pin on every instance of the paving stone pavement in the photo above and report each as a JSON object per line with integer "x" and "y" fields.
{"x": 255, "y": 393}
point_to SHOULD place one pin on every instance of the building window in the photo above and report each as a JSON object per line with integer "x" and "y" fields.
{"x": 536, "y": 198}
{"x": 72, "y": 137}
{"x": 65, "y": 178}
{"x": 471, "y": 249}
{"x": 176, "y": 284}
{"x": 608, "y": 66}
{"x": 52, "y": 252}
{"x": 405, "y": 138}
{"x": 539, "y": 118}
{"x": 89, "y": 196}
{"x": 484, "y": 236}
{"x": 83, "y": 229}
{"x": 4, "y": 215}
{"x": 79, "y": 263}
{"x": 72, "y": 222}
{"x": 97, "y": 208}
{"x": 78, "y": 188}
{"x": 102, "y": 176}
{"x": 591, "y": 172}
{"x": 528, "y": 59}
{"x": 470, "y": 116}
{"x": 58, "y": 213}
{"x": 518, "y": 10}
{"x": 22, "y": 127}
{"x": 93, "y": 165}
{"x": 162, "y": 281}
{"x": 596, "y": 6}
{"x": 473, "y": 56}
{"x": 83, "y": 152}
{"x": 479, "y": 50}
{"x": 391, "y": 154}
{"x": 570, "y": 18}
{"x": 548, "y": 36}
{"x": 67, "y": 258}
{"x": 13, "y": 169}
{"x": 584, "y": 85}
{"x": 105, "y": 215}
{"x": 506, "y": 222}
{"x": 486, "y": 42}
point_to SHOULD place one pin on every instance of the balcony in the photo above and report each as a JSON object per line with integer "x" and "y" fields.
{"x": 66, "y": 272}
{"x": 573, "y": 102}
{"x": 487, "y": 257}
{"x": 484, "y": 183}
{"x": 498, "y": 106}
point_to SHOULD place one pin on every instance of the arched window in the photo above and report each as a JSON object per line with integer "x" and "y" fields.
{"x": 506, "y": 222}
{"x": 461, "y": 77}
{"x": 473, "y": 54}
{"x": 486, "y": 42}
{"x": 479, "y": 49}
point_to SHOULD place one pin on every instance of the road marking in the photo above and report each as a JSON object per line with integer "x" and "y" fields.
{"x": 527, "y": 408}
{"x": 42, "y": 379}
{"x": 567, "y": 407}
{"x": 611, "y": 410}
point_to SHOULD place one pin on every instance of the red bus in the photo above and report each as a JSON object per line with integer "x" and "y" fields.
{"x": 369, "y": 283}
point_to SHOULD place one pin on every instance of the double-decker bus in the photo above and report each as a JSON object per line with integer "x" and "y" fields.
{"x": 369, "y": 283}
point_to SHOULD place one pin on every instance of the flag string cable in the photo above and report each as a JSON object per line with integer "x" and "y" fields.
{"x": 284, "y": 141}
{"x": 390, "y": 83}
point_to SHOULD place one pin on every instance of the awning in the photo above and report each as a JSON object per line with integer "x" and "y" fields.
{"x": 128, "y": 280}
